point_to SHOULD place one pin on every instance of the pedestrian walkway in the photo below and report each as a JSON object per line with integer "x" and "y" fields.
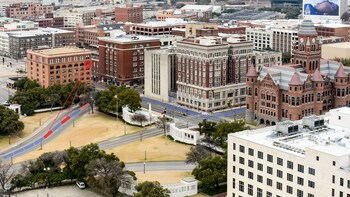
{"x": 194, "y": 113}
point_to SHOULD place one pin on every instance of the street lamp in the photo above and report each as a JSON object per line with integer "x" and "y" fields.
{"x": 116, "y": 97}
{"x": 47, "y": 169}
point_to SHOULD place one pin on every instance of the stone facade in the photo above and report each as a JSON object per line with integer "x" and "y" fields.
{"x": 307, "y": 86}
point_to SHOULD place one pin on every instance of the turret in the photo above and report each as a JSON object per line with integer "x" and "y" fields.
{"x": 308, "y": 51}
{"x": 340, "y": 87}
{"x": 251, "y": 92}
{"x": 319, "y": 83}
{"x": 295, "y": 89}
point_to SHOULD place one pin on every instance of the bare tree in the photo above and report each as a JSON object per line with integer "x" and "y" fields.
{"x": 197, "y": 154}
{"x": 108, "y": 175}
{"x": 139, "y": 118}
{"x": 6, "y": 173}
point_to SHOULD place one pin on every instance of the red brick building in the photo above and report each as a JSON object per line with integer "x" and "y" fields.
{"x": 329, "y": 30}
{"x": 22, "y": 10}
{"x": 58, "y": 66}
{"x": 121, "y": 59}
{"x": 307, "y": 86}
{"x": 131, "y": 13}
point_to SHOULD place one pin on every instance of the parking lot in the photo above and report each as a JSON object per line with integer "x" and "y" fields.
{"x": 64, "y": 191}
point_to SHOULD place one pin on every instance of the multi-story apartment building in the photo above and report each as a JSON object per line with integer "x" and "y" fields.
{"x": 58, "y": 66}
{"x": 22, "y": 10}
{"x": 283, "y": 39}
{"x": 121, "y": 59}
{"x": 339, "y": 30}
{"x": 19, "y": 26}
{"x": 4, "y": 44}
{"x": 306, "y": 158}
{"x": 211, "y": 72}
{"x": 130, "y": 13}
{"x": 160, "y": 74}
{"x": 154, "y": 27}
{"x": 304, "y": 87}
{"x": 262, "y": 38}
{"x": 266, "y": 59}
{"x": 77, "y": 15}
{"x": 46, "y": 37}
{"x": 50, "y": 21}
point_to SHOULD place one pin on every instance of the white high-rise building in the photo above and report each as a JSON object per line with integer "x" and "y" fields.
{"x": 305, "y": 158}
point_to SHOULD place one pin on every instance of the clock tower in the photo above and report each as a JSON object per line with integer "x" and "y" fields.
{"x": 307, "y": 52}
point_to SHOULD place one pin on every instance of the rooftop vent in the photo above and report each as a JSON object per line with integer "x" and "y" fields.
{"x": 313, "y": 122}
{"x": 287, "y": 127}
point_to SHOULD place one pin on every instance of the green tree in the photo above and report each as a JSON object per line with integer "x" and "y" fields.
{"x": 207, "y": 127}
{"x": 131, "y": 98}
{"x": 344, "y": 61}
{"x": 286, "y": 57}
{"x": 211, "y": 172}
{"x": 151, "y": 189}
{"x": 80, "y": 158}
{"x": 223, "y": 128}
{"x": 19, "y": 84}
{"x": 9, "y": 122}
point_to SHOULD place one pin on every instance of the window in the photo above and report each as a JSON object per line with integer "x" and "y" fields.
{"x": 260, "y": 178}
{"x": 300, "y": 193}
{"x": 269, "y": 182}
{"x": 259, "y": 192}
{"x": 289, "y": 189}
{"x": 234, "y": 158}
{"x": 251, "y": 163}
{"x": 279, "y": 161}
{"x": 289, "y": 177}
{"x": 333, "y": 179}
{"x": 260, "y": 155}
{"x": 269, "y": 158}
{"x": 250, "y": 175}
{"x": 241, "y": 160}
{"x": 241, "y": 149}
{"x": 300, "y": 168}
{"x": 310, "y": 195}
{"x": 290, "y": 165}
{"x": 300, "y": 181}
{"x": 341, "y": 182}
{"x": 311, "y": 184}
{"x": 333, "y": 163}
{"x": 348, "y": 183}
{"x": 234, "y": 146}
{"x": 251, "y": 152}
{"x": 233, "y": 183}
{"x": 241, "y": 186}
{"x": 269, "y": 170}
{"x": 279, "y": 174}
{"x": 241, "y": 172}
{"x": 279, "y": 185}
{"x": 268, "y": 194}
{"x": 260, "y": 167}
{"x": 311, "y": 171}
{"x": 250, "y": 189}
{"x": 317, "y": 158}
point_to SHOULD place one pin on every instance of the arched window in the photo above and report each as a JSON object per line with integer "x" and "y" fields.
{"x": 343, "y": 92}
{"x": 338, "y": 92}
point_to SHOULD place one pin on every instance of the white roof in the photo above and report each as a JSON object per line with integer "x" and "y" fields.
{"x": 329, "y": 139}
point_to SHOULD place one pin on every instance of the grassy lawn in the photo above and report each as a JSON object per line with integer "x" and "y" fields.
{"x": 90, "y": 128}
{"x": 157, "y": 149}
{"x": 31, "y": 123}
{"x": 165, "y": 177}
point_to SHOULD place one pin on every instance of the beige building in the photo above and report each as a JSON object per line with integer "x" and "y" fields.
{"x": 160, "y": 74}
{"x": 58, "y": 65}
{"x": 191, "y": 28}
{"x": 339, "y": 50}
{"x": 267, "y": 58}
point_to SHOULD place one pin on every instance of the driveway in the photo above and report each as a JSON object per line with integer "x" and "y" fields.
{"x": 64, "y": 191}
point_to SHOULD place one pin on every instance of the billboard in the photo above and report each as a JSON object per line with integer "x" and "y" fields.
{"x": 321, "y": 8}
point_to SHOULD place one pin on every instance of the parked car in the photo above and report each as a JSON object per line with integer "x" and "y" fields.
{"x": 81, "y": 185}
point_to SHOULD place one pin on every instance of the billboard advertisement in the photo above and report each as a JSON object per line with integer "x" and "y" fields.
{"x": 321, "y": 8}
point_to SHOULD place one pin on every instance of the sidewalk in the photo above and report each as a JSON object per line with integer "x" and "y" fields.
{"x": 193, "y": 113}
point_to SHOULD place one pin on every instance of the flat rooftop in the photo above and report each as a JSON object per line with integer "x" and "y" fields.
{"x": 342, "y": 45}
{"x": 61, "y": 51}
{"x": 128, "y": 39}
{"x": 330, "y": 139}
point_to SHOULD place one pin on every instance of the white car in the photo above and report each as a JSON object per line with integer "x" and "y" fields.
{"x": 81, "y": 185}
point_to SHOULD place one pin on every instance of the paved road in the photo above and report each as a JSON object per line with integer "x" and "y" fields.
{"x": 42, "y": 137}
